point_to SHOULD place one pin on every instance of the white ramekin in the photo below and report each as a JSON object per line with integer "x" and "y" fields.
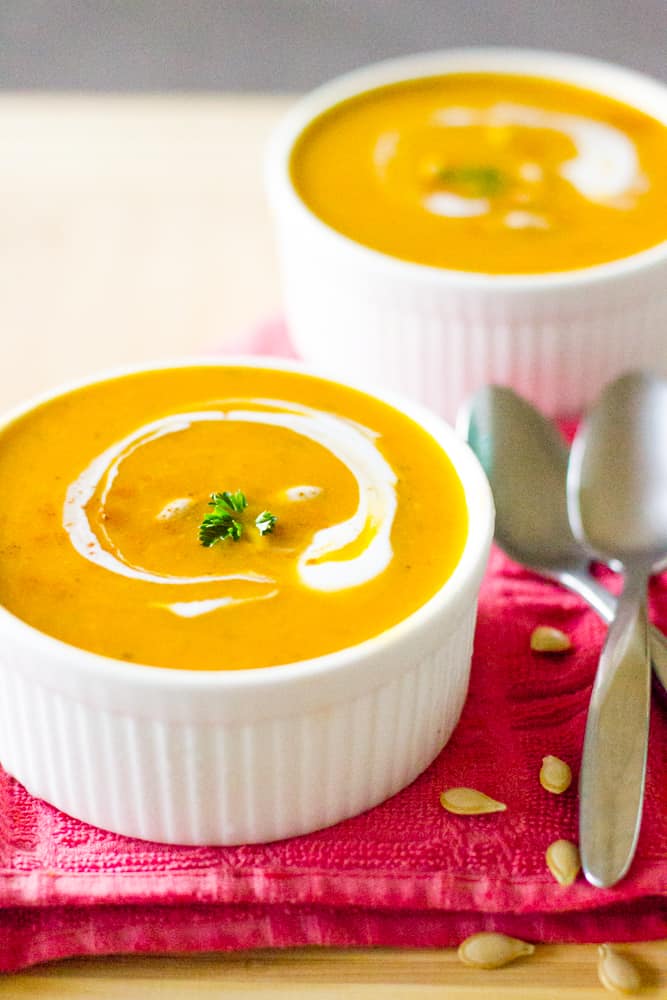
{"x": 439, "y": 335}
{"x": 252, "y": 755}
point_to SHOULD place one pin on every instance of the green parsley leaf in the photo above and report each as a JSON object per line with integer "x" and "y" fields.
{"x": 220, "y": 524}
{"x": 233, "y": 503}
{"x": 217, "y": 527}
{"x": 265, "y": 522}
{"x": 476, "y": 180}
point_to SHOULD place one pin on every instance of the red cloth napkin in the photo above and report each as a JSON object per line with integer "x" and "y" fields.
{"x": 405, "y": 873}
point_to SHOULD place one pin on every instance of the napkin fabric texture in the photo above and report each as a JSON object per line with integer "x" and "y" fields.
{"x": 403, "y": 874}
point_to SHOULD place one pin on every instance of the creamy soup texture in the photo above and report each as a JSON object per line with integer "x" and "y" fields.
{"x": 105, "y": 490}
{"x": 490, "y": 173}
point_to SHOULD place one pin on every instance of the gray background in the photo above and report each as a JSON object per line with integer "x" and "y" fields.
{"x": 284, "y": 45}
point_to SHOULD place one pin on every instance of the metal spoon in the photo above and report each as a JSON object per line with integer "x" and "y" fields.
{"x": 617, "y": 502}
{"x": 525, "y": 459}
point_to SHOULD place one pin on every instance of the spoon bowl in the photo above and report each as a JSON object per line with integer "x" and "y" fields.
{"x": 617, "y": 483}
{"x": 525, "y": 459}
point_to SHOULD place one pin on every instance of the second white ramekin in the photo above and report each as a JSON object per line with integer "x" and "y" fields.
{"x": 439, "y": 335}
{"x": 245, "y": 756}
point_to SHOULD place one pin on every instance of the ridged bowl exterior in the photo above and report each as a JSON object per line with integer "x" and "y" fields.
{"x": 228, "y": 757}
{"x": 196, "y": 782}
{"x": 439, "y": 335}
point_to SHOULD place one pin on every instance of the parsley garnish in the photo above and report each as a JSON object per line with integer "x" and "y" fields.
{"x": 265, "y": 521}
{"x": 478, "y": 180}
{"x": 222, "y": 522}
{"x": 233, "y": 503}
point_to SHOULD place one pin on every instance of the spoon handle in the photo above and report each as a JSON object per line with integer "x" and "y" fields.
{"x": 601, "y": 601}
{"x": 613, "y": 766}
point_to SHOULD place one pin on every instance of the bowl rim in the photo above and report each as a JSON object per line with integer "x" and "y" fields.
{"x": 465, "y": 577}
{"x": 565, "y": 67}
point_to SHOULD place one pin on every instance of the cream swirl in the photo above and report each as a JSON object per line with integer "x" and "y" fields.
{"x": 605, "y": 165}
{"x": 322, "y": 566}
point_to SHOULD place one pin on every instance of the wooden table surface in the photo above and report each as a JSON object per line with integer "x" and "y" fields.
{"x": 134, "y": 228}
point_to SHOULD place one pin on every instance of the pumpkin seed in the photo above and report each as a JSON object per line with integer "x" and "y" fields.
{"x": 616, "y": 972}
{"x": 490, "y": 950}
{"x": 546, "y": 639}
{"x": 555, "y": 775}
{"x": 469, "y": 802}
{"x": 563, "y": 861}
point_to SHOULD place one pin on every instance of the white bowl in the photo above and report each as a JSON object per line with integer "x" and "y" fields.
{"x": 251, "y": 755}
{"x": 438, "y": 335}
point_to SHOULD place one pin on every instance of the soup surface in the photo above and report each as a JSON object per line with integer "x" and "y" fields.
{"x": 110, "y": 539}
{"x": 489, "y": 173}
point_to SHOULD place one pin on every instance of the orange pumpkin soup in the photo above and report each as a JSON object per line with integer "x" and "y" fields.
{"x": 492, "y": 173}
{"x": 222, "y": 518}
